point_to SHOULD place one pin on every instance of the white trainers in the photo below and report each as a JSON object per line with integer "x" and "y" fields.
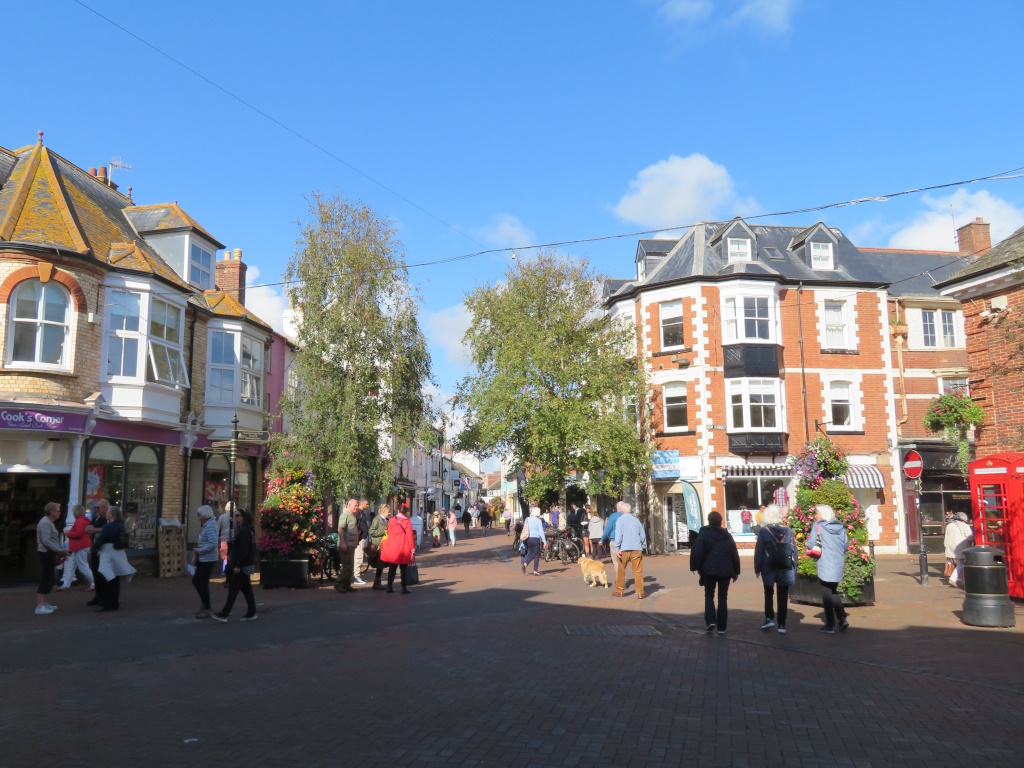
{"x": 249, "y": 618}
{"x": 768, "y": 624}
{"x": 357, "y": 580}
{"x": 782, "y": 630}
{"x": 44, "y": 610}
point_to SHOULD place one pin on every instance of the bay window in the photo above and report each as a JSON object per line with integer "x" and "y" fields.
{"x": 252, "y": 372}
{"x": 41, "y": 324}
{"x": 754, "y": 404}
{"x": 220, "y": 387}
{"x": 166, "y": 364}
{"x": 124, "y": 333}
{"x": 747, "y": 318}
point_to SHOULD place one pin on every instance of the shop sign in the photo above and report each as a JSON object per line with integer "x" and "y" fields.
{"x": 41, "y": 421}
{"x": 693, "y": 512}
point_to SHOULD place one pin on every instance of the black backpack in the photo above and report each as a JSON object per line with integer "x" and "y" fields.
{"x": 778, "y": 551}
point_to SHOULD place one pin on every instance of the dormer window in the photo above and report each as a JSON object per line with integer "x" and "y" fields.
{"x": 200, "y": 272}
{"x": 821, "y": 256}
{"x": 739, "y": 249}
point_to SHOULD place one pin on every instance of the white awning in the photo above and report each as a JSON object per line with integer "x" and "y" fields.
{"x": 757, "y": 470}
{"x": 864, "y": 477}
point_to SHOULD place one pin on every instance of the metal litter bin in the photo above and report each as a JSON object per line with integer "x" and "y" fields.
{"x": 987, "y": 600}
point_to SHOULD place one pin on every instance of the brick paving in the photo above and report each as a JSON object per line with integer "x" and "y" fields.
{"x": 477, "y": 668}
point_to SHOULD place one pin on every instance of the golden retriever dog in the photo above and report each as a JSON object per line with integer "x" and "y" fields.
{"x": 593, "y": 572}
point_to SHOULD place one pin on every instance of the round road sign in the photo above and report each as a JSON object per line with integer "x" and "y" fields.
{"x": 913, "y": 465}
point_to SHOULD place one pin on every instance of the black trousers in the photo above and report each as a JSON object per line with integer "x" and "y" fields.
{"x": 108, "y": 592}
{"x": 239, "y": 582}
{"x": 832, "y": 602}
{"x": 769, "y": 613}
{"x": 47, "y": 564}
{"x": 391, "y": 574}
{"x": 201, "y": 581}
{"x": 719, "y": 618}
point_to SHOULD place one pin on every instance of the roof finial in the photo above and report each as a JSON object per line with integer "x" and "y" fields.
{"x": 130, "y": 195}
{"x": 40, "y": 138}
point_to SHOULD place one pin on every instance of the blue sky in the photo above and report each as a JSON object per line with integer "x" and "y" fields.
{"x": 527, "y": 122}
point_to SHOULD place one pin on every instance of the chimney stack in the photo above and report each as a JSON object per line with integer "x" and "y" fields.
{"x": 230, "y": 276}
{"x": 92, "y": 172}
{"x": 974, "y": 238}
{"x": 102, "y": 173}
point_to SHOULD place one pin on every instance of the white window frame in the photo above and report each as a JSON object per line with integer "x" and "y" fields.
{"x": 167, "y": 348}
{"x": 942, "y": 319}
{"x": 950, "y": 327}
{"x": 739, "y": 250}
{"x": 819, "y": 260}
{"x": 251, "y": 374}
{"x": 734, "y": 317}
{"x": 671, "y": 310}
{"x": 947, "y": 385}
{"x": 40, "y": 322}
{"x": 206, "y": 272}
{"x": 851, "y": 402}
{"x": 935, "y": 329}
{"x": 674, "y": 389}
{"x": 743, "y": 388}
{"x": 115, "y": 298}
{"x": 844, "y": 311}
{"x": 222, "y": 367}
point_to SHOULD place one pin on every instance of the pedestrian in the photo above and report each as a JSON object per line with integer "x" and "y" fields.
{"x": 595, "y": 527}
{"x": 444, "y": 526}
{"x": 485, "y": 519}
{"x": 378, "y": 532}
{"x": 830, "y": 535}
{"x": 113, "y": 560}
{"x": 241, "y": 566}
{"x": 506, "y": 518}
{"x": 49, "y": 548}
{"x": 453, "y": 523}
{"x": 775, "y": 562}
{"x": 467, "y": 519}
{"x": 608, "y": 536}
{"x": 225, "y": 532}
{"x": 554, "y": 518}
{"x": 533, "y": 530}
{"x": 959, "y": 536}
{"x": 436, "y": 530}
{"x": 630, "y": 543}
{"x": 348, "y": 538}
{"x": 99, "y": 520}
{"x": 398, "y": 549}
{"x": 79, "y": 544}
{"x": 714, "y": 556}
{"x": 363, "y": 526}
{"x": 207, "y": 551}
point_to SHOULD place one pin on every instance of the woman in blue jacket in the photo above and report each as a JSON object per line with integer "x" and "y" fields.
{"x": 208, "y": 552}
{"x": 830, "y": 535}
{"x": 775, "y": 563}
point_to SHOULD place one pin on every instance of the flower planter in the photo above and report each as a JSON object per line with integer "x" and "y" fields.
{"x": 807, "y": 591}
{"x": 292, "y": 572}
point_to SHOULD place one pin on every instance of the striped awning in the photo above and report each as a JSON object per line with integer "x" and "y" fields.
{"x": 665, "y": 465}
{"x": 757, "y": 470}
{"x": 864, "y": 477}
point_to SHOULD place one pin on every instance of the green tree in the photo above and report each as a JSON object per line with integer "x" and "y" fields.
{"x": 362, "y": 361}
{"x": 554, "y": 384}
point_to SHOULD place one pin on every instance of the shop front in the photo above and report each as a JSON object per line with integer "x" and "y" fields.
{"x": 40, "y": 451}
{"x": 748, "y": 487}
{"x": 128, "y": 475}
{"x": 943, "y": 492}
{"x": 676, "y": 511}
{"x": 209, "y": 484}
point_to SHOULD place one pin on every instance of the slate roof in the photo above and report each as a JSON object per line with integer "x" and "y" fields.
{"x": 225, "y": 305}
{"x": 658, "y": 246}
{"x": 165, "y": 217}
{"x": 1006, "y": 253}
{"x": 911, "y": 273}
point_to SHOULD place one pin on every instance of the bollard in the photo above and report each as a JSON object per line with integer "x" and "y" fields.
{"x": 986, "y": 600}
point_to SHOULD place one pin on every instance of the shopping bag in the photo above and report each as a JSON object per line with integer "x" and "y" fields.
{"x": 412, "y": 574}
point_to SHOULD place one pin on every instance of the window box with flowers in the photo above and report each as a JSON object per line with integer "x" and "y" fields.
{"x": 288, "y": 525}
{"x": 954, "y": 414}
{"x": 819, "y": 469}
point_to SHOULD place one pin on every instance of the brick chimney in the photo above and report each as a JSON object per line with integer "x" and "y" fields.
{"x": 974, "y": 238}
{"x": 230, "y": 276}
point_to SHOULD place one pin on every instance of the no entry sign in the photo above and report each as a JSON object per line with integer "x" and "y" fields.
{"x": 913, "y": 465}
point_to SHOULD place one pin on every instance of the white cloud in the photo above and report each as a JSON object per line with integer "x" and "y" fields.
{"x": 769, "y": 16}
{"x": 505, "y": 231}
{"x": 933, "y": 228}
{"x": 681, "y": 190}
{"x": 446, "y": 329}
{"x": 267, "y": 302}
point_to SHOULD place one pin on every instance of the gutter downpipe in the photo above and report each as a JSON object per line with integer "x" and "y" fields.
{"x": 187, "y": 458}
{"x": 803, "y": 371}
{"x": 903, "y": 382}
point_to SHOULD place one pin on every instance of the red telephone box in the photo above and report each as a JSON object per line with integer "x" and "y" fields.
{"x": 997, "y": 501}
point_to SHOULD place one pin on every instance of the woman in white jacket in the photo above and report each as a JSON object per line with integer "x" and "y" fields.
{"x": 959, "y": 536}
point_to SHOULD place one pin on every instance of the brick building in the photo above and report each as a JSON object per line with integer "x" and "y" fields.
{"x": 756, "y": 338}
{"x": 122, "y": 358}
{"x": 991, "y": 289}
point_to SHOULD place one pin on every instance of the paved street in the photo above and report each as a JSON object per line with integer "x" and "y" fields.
{"x": 478, "y": 667}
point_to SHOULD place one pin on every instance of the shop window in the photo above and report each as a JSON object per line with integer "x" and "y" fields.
{"x": 41, "y": 320}
{"x": 215, "y": 488}
{"x": 104, "y": 477}
{"x": 123, "y": 334}
{"x": 35, "y": 453}
{"x": 744, "y": 497}
{"x": 141, "y": 496}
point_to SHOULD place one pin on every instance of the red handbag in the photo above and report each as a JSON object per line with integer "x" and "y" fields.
{"x": 815, "y": 551}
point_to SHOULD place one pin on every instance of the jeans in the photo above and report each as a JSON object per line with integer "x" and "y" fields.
{"x": 769, "y": 613}
{"x": 719, "y": 618}
{"x": 201, "y": 581}
{"x": 832, "y": 602}
{"x": 239, "y": 582}
{"x": 532, "y": 553}
{"x": 77, "y": 560}
{"x": 391, "y": 574}
{"x": 634, "y": 558}
{"x": 451, "y": 535}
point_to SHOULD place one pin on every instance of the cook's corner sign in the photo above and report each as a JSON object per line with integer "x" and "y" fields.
{"x": 41, "y": 421}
